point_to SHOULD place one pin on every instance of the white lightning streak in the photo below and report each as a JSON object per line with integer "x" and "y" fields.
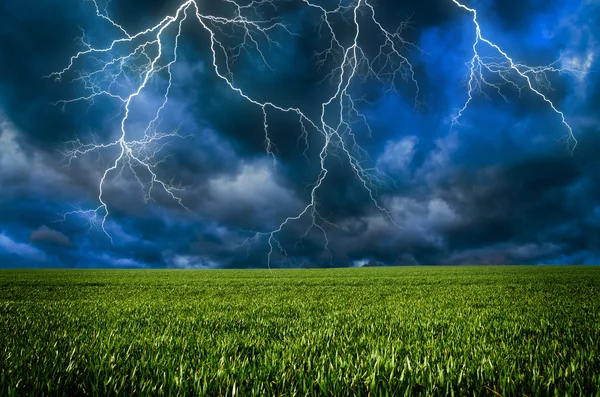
{"x": 125, "y": 69}
{"x": 534, "y": 77}
{"x": 112, "y": 78}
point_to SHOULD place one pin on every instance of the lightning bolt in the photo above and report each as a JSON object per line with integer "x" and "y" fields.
{"x": 532, "y": 78}
{"x": 134, "y": 63}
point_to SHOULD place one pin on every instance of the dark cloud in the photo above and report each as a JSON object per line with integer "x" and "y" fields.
{"x": 500, "y": 187}
{"x": 44, "y": 234}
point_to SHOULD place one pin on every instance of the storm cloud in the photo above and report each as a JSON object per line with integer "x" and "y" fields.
{"x": 499, "y": 187}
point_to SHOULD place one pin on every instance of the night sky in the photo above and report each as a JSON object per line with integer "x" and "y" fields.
{"x": 500, "y": 187}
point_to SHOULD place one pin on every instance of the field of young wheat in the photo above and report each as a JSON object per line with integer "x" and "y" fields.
{"x": 376, "y": 331}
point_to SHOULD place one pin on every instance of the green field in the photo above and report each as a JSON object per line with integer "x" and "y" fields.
{"x": 377, "y": 331}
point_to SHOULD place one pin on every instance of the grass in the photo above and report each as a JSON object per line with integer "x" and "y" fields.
{"x": 377, "y": 331}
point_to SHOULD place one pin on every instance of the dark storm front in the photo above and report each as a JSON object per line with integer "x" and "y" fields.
{"x": 297, "y": 133}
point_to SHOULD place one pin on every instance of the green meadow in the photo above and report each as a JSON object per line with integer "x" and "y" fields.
{"x": 371, "y": 332}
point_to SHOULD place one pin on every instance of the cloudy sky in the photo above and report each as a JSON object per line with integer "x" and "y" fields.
{"x": 404, "y": 185}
